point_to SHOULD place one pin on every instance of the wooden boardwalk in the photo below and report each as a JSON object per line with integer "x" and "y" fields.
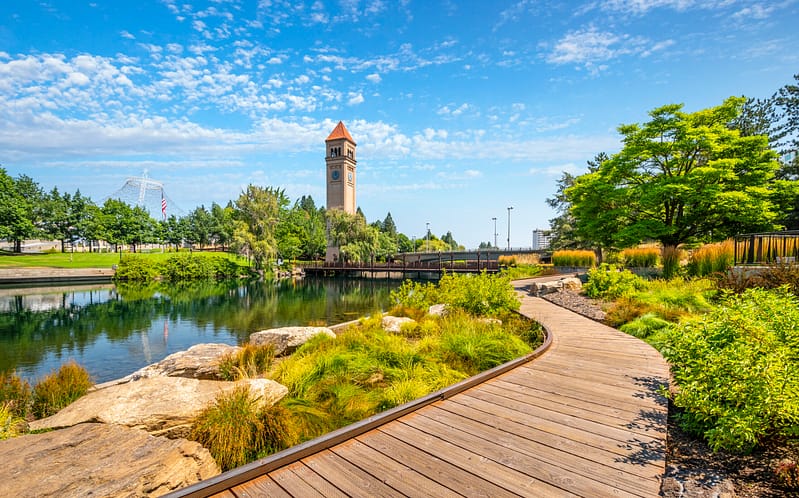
{"x": 582, "y": 419}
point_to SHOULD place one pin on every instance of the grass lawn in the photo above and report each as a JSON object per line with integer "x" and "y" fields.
{"x": 80, "y": 259}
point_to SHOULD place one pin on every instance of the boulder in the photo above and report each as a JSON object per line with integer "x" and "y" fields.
{"x": 200, "y": 361}
{"x": 541, "y": 288}
{"x": 437, "y": 310}
{"x": 162, "y": 406}
{"x": 572, "y": 284}
{"x": 395, "y": 323}
{"x": 286, "y": 340}
{"x": 100, "y": 460}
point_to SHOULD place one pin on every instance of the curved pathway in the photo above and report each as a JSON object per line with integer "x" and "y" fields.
{"x": 585, "y": 418}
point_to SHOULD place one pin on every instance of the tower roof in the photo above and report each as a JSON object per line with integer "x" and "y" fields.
{"x": 339, "y": 132}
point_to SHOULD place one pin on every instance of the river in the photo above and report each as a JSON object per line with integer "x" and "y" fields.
{"x": 113, "y": 331}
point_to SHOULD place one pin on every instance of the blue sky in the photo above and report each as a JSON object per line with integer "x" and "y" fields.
{"x": 460, "y": 109}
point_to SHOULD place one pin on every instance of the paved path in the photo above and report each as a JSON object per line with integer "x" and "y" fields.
{"x": 28, "y": 275}
{"x": 582, "y": 419}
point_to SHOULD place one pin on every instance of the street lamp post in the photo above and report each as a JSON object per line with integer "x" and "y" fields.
{"x": 509, "y": 210}
{"x": 495, "y": 230}
{"x": 427, "y": 237}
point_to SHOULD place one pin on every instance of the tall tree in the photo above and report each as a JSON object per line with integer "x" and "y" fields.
{"x": 20, "y": 208}
{"x": 258, "y": 211}
{"x": 680, "y": 177}
{"x": 388, "y": 225}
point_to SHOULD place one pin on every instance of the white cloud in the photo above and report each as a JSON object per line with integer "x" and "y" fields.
{"x": 374, "y": 78}
{"x": 355, "y": 98}
{"x": 125, "y": 34}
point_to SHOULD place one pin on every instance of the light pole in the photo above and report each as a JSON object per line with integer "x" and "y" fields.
{"x": 495, "y": 230}
{"x": 509, "y": 210}
{"x": 427, "y": 237}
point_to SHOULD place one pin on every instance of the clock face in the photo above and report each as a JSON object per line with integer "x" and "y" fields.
{"x": 349, "y": 176}
{"x": 335, "y": 174}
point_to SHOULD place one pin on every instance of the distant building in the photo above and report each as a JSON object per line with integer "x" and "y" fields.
{"x": 541, "y": 239}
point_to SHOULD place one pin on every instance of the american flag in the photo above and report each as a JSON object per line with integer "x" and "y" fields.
{"x": 163, "y": 205}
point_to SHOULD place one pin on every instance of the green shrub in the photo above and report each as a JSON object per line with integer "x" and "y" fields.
{"x": 236, "y": 431}
{"x": 521, "y": 271}
{"x": 248, "y": 362}
{"x": 59, "y": 389}
{"x": 574, "y": 258}
{"x": 415, "y": 295}
{"x": 15, "y": 394}
{"x": 736, "y": 370}
{"x": 640, "y": 257}
{"x": 187, "y": 266}
{"x": 482, "y": 295}
{"x": 136, "y": 268}
{"x": 608, "y": 282}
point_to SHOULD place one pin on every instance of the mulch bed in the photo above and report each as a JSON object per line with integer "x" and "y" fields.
{"x": 692, "y": 469}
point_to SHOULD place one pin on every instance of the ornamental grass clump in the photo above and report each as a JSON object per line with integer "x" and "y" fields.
{"x": 577, "y": 258}
{"x": 249, "y": 361}
{"x": 59, "y": 389}
{"x": 671, "y": 257}
{"x": 736, "y": 370}
{"x": 711, "y": 258}
{"x": 640, "y": 257}
{"x": 474, "y": 347}
{"x": 15, "y": 394}
{"x": 11, "y": 424}
{"x": 237, "y": 430}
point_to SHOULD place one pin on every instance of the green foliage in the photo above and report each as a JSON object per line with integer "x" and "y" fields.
{"x": 249, "y": 361}
{"x": 415, "y": 295}
{"x": 59, "y": 389}
{"x": 679, "y": 177}
{"x": 482, "y": 295}
{"x": 523, "y": 271}
{"x": 136, "y": 269}
{"x": 187, "y": 266}
{"x": 737, "y": 370}
{"x": 236, "y": 430}
{"x": 645, "y": 325}
{"x": 575, "y": 257}
{"x": 608, "y": 282}
{"x": 15, "y": 394}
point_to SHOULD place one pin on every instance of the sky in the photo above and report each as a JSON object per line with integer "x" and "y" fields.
{"x": 460, "y": 109}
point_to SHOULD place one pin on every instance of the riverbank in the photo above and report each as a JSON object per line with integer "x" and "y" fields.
{"x": 43, "y": 275}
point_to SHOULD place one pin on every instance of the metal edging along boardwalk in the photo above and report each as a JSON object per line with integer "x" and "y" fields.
{"x": 247, "y": 472}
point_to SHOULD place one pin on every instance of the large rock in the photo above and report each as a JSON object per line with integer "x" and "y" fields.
{"x": 572, "y": 284}
{"x": 200, "y": 361}
{"x": 286, "y": 340}
{"x": 543, "y": 288}
{"x": 100, "y": 460}
{"x": 437, "y": 310}
{"x": 163, "y": 406}
{"x": 394, "y": 323}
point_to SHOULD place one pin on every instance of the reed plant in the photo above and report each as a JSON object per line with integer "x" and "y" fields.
{"x": 507, "y": 260}
{"x": 577, "y": 258}
{"x": 712, "y": 258}
{"x": 671, "y": 257}
{"x": 249, "y": 361}
{"x": 59, "y": 389}
{"x": 640, "y": 257}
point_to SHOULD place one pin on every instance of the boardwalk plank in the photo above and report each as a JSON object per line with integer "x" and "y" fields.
{"x": 434, "y": 468}
{"x": 302, "y": 472}
{"x": 262, "y": 486}
{"x": 293, "y": 484}
{"x": 480, "y": 436}
{"x": 392, "y": 472}
{"x": 347, "y": 477}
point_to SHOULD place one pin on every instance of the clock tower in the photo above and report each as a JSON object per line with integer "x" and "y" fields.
{"x": 340, "y": 173}
{"x": 340, "y": 161}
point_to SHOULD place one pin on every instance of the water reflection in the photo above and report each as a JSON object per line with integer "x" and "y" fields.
{"x": 115, "y": 330}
